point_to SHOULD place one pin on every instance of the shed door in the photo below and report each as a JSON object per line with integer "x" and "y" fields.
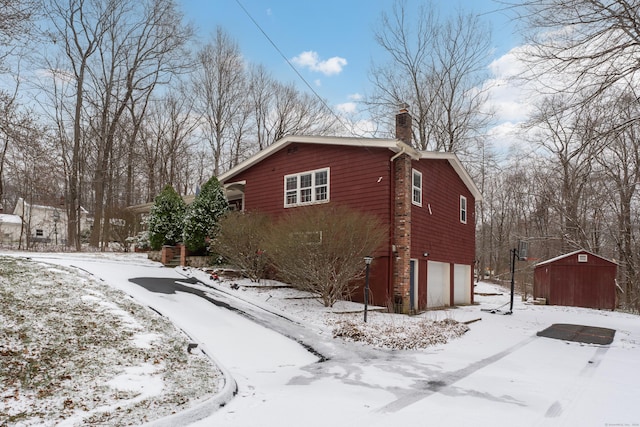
{"x": 461, "y": 284}
{"x": 437, "y": 284}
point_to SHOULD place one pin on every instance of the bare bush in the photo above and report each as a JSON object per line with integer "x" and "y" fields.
{"x": 320, "y": 249}
{"x": 241, "y": 240}
{"x": 402, "y": 336}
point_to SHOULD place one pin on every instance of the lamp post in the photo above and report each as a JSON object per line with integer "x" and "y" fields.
{"x": 367, "y": 261}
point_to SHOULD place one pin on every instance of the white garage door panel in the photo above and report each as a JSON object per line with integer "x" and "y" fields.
{"x": 438, "y": 294}
{"x": 461, "y": 284}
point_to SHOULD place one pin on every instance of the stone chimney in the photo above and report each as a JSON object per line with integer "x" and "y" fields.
{"x": 403, "y": 124}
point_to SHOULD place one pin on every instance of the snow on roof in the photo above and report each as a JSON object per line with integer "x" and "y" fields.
{"x": 579, "y": 251}
{"x": 45, "y": 207}
{"x": 10, "y": 219}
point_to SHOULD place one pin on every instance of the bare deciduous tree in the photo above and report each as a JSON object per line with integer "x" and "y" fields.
{"x": 570, "y": 137}
{"x": 620, "y": 166}
{"x": 15, "y": 24}
{"x": 591, "y": 43}
{"x": 118, "y": 53}
{"x": 79, "y": 36}
{"x": 218, "y": 86}
{"x": 437, "y": 68}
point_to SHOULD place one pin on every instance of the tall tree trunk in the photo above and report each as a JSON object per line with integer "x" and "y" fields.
{"x": 73, "y": 212}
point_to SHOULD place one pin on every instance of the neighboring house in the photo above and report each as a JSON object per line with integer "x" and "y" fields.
{"x": 10, "y": 226}
{"x": 426, "y": 200}
{"x": 579, "y": 279}
{"x": 46, "y": 224}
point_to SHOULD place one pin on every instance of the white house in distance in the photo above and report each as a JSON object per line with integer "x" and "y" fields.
{"x": 46, "y": 224}
{"x": 10, "y": 227}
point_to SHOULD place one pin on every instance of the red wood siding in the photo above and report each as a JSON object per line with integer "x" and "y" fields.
{"x": 436, "y": 226}
{"x": 541, "y": 281}
{"x": 568, "y": 282}
{"x": 358, "y": 178}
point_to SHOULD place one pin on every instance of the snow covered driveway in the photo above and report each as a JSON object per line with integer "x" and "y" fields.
{"x": 499, "y": 373}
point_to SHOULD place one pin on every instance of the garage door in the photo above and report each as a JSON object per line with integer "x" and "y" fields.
{"x": 461, "y": 284}
{"x": 437, "y": 284}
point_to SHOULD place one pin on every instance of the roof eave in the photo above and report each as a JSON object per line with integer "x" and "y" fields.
{"x": 391, "y": 144}
{"x": 455, "y": 162}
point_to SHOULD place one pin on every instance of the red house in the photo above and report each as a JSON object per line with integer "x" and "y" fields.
{"x": 578, "y": 279}
{"x": 426, "y": 199}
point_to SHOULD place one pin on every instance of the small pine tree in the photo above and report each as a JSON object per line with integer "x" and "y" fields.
{"x": 166, "y": 219}
{"x": 202, "y": 216}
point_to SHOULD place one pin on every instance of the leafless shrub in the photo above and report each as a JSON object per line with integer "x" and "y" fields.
{"x": 402, "y": 336}
{"x": 320, "y": 249}
{"x": 241, "y": 240}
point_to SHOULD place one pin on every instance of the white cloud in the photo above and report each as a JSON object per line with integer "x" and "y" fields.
{"x": 317, "y": 82}
{"x": 355, "y": 97}
{"x": 347, "y": 107}
{"x": 504, "y": 135}
{"x": 510, "y": 96}
{"x": 311, "y": 60}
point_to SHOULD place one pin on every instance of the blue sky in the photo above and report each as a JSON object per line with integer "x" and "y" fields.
{"x": 330, "y": 41}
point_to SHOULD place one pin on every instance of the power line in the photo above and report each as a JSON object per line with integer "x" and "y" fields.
{"x": 338, "y": 118}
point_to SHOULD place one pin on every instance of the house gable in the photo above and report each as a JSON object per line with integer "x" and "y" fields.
{"x": 358, "y": 177}
{"x": 393, "y": 145}
{"x": 436, "y": 226}
{"x": 376, "y": 176}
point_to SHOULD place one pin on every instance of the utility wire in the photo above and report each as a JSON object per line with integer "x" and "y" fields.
{"x": 338, "y": 118}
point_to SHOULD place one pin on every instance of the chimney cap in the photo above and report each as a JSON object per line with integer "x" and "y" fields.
{"x": 404, "y": 107}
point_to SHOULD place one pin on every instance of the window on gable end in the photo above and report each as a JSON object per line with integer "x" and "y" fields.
{"x": 306, "y": 188}
{"x": 291, "y": 190}
{"x": 416, "y": 187}
{"x": 463, "y": 209}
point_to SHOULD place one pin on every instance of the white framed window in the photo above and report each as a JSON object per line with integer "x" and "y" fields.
{"x": 306, "y": 188}
{"x": 463, "y": 209}
{"x": 416, "y": 187}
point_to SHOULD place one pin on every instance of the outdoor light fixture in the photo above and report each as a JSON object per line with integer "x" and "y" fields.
{"x": 367, "y": 261}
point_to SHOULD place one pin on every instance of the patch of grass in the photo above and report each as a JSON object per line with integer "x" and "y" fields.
{"x": 63, "y": 336}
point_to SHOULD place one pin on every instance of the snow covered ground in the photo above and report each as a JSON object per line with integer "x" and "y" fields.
{"x": 498, "y": 373}
{"x": 76, "y": 351}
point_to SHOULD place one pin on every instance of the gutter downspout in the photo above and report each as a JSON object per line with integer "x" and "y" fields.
{"x": 398, "y": 154}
